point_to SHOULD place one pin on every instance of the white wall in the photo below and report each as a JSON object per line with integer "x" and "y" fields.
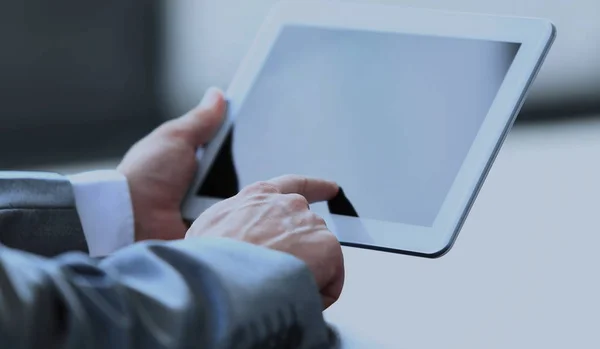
{"x": 206, "y": 40}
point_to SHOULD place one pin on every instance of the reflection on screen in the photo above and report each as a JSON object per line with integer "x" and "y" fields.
{"x": 391, "y": 117}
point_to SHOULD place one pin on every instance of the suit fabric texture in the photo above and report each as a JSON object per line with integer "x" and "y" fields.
{"x": 194, "y": 293}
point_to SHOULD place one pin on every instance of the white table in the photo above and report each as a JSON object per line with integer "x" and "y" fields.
{"x": 523, "y": 273}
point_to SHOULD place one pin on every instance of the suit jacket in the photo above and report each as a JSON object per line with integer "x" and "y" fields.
{"x": 194, "y": 293}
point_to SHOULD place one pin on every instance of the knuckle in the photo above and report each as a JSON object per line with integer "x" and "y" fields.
{"x": 319, "y": 220}
{"x": 301, "y": 180}
{"x": 333, "y": 244}
{"x": 303, "y": 183}
{"x": 297, "y": 202}
{"x": 199, "y": 113}
{"x": 262, "y": 187}
{"x": 172, "y": 128}
{"x": 296, "y": 178}
{"x": 253, "y": 196}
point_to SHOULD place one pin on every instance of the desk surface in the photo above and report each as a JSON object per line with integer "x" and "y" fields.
{"x": 523, "y": 273}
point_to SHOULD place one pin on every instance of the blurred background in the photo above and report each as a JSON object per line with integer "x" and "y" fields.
{"x": 80, "y": 81}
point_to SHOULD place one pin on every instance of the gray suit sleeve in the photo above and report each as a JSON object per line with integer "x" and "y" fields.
{"x": 195, "y": 293}
{"x": 38, "y": 214}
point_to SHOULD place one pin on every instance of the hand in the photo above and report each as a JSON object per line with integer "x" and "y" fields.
{"x": 275, "y": 214}
{"x": 160, "y": 168}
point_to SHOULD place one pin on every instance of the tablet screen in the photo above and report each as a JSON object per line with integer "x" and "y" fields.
{"x": 389, "y": 116}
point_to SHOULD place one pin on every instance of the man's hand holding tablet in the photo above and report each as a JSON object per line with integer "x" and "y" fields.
{"x": 404, "y": 108}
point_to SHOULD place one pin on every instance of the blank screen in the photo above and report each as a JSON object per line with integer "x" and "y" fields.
{"x": 390, "y": 117}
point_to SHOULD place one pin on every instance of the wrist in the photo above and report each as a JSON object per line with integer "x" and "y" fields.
{"x": 135, "y": 209}
{"x": 156, "y": 214}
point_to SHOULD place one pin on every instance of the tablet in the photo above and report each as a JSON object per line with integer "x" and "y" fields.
{"x": 405, "y": 108}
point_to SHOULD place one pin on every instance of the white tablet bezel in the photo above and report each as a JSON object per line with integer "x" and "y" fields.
{"x": 535, "y": 37}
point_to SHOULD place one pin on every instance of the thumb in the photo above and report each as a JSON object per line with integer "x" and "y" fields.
{"x": 200, "y": 124}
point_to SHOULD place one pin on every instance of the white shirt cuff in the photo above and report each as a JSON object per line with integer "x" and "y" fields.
{"x": 105, "y": 210}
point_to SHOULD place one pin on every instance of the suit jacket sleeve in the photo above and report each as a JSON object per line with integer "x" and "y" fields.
{"x": 195, "y": 293}
{"x": 38, "y": 213}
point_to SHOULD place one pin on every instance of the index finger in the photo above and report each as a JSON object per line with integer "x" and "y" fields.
{"x": 313, "y": 189}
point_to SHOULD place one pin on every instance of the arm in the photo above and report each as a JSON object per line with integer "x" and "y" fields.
{"x": 194, "y": 293}
{"x": 48, "y": 214}
{"x": 38, "y": 213}
{"x": 212, "y": 292}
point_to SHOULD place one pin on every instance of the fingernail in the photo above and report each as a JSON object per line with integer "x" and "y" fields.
{"x": 210, "y": 97}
